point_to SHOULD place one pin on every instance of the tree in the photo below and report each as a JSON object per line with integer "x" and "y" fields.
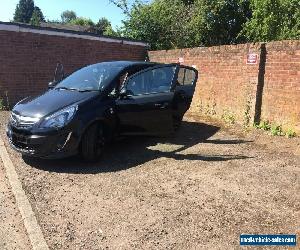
{"x": 37, "y": 16}
{"x": 24, "y": 11}
{"x": 82, "y": 21}
{"x": 273, "y": 20}
{"x": 216, "y": 22}
{"x": 68, "y": 15}
{"x": 103, "y": 24}
{"x": 111, "y": 32}
{"x": 123, "y": 5}
{"x": 103, "y": 27}
{"x": 167, "y": 24}
{"x": 161, "y": 23}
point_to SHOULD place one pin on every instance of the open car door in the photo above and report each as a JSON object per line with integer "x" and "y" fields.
{"x": 184, "y": 90}
{"x": 146, "y": 102}
{"x": 154, "y": 99}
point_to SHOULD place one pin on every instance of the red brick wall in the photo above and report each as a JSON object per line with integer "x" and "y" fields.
{"x": 28, "y": 60}
{"x": 228, "y": 86}
{"x": 281, "y": 95}
{"x": 226, "y": 83}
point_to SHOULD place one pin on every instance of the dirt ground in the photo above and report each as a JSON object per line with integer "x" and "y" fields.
{"x": 12, "y": 230}
{"x": 200, "y": 189}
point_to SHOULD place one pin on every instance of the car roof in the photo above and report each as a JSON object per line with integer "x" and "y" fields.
{"x": 129, "y": 63}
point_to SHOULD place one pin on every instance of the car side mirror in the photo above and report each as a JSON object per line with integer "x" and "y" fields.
{"x": 52, "y": 84}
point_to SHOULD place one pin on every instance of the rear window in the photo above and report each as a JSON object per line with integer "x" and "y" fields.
{"x": 186, "y": 77}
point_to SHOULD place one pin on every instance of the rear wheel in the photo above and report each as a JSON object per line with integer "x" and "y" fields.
{"x": 92, "y": 143}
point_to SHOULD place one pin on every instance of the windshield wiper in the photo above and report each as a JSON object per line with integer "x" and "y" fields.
{"x": 79, "y": 90}
{"x": 67, "y": 88}
{"x": 87, "y": 90}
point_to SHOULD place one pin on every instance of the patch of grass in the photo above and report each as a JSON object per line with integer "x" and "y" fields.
{"x": 264, "y": 125}
{"x": 247, "y": 116}
{"x": 210, "y": 109}
{"x": 274, "y": 129}
{"x": 1, "y": 105}
{"x": 228, "y": 117}
{"x": 290, "y": 133}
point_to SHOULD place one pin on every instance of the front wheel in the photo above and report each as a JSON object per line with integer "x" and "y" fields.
{"x": 92, "y": 143}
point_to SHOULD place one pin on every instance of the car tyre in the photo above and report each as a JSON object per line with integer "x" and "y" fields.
{"x": 92, "y": 143}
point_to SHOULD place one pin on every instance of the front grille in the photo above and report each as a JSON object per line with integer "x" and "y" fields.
{"x": 19, "y": 121}
{"x": 21, "y": 144}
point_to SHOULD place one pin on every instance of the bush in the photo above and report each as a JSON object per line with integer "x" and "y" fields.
{"x": 1, "y": 105}
{"x": 290, "y": 133}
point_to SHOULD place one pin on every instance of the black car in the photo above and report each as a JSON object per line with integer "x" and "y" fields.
{"x": 83, "y": 112}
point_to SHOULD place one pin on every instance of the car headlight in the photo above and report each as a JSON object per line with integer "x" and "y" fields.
{"x": 60, "y": 118}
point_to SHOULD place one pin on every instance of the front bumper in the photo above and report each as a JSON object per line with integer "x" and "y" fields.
{"x": 53, "y": 146}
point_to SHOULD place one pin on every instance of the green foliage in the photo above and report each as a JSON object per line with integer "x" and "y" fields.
{"x": 24, "y": 11}
{"x": 67, "y": 16}
{"x": 1, "y": 104}
{"x": 103, "y": 24}
{"x": 273, "y": 20}
{"x": 109, "y": 31}
{"x": 167, "y": 24}
{"x": 264, "y": 125}
{"x": 82, "y": 21}
{"x": 228, "y": 117}
{"x": 103, "y": 27}
{"x": 247, "y": 116}
{"x": 37, "y": 16}
{"x": 160, "y": 23}
{"x": 218, "y": 21}
{"x": 276, "y": 130}
{"x": 290, "y": 133}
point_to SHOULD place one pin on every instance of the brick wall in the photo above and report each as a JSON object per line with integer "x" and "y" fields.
{"x": 281, "y": 93}
{"x": 28, "y": 56}
{"x": 228, "y": 87}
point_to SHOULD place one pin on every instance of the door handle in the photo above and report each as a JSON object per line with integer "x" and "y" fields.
{"x": 161, "y": 105}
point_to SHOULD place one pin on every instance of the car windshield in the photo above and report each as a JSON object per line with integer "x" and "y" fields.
{"x": 91, "y": 78}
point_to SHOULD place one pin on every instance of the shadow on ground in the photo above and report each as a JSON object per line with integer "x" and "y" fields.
{"x": 132, "y": 151}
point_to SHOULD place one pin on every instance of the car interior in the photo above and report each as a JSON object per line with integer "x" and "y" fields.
{"x": 152, "y": 81}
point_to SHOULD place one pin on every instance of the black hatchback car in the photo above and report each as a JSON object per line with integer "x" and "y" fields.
{"x": 83, "y": 112}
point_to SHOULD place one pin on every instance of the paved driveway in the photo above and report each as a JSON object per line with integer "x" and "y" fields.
{"x": 199, "y": 189}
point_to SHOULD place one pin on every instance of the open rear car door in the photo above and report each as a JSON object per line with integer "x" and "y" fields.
{"x": 152, "y": 97}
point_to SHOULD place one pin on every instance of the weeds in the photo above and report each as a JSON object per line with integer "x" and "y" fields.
{"x": 228, "y": 117}
{"x": 264, "y": 125}
{"x": 247, "y": 116}
{"x": 7, "y": 101}
{"x": 290, "y": 133}
{"x": 1, "y": 105}
{"x": 274, "y": 129}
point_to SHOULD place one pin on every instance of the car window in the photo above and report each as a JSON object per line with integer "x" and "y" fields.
{"x": 180, "y": 79}
{"x": 151, "y": 81}
{"x": 186, "y": 76}
{"x": 94, "y": 77}
{"x": 190, "y": 76}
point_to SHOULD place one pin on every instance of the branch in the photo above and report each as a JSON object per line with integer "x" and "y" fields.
{"x": 123, "y": 5}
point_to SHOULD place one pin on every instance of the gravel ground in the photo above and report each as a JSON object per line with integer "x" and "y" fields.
{"x": 12, "y": 230}
{"x": 200, "y": 189}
